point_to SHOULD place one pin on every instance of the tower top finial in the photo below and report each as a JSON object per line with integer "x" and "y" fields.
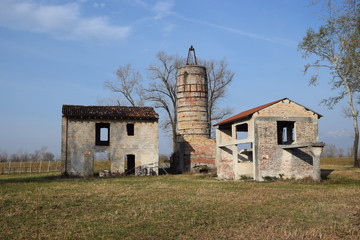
{"x": 191, "y": 58}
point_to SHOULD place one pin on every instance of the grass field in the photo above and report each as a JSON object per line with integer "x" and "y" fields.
{"x": 46, "y": 206}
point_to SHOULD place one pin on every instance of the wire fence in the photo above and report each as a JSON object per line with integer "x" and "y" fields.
{"x": 29, "y": 167}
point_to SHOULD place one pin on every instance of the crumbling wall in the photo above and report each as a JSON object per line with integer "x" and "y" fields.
{"x": 199, "y": 151}
{"x": 194, "y": 147}
{"x": 79, "y": 145}
{"x": 224, "y": 154}
{"x": 278, "y": 160}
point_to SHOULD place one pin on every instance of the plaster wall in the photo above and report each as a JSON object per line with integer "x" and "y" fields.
{"x": 79, "y": 148}
{"x": 232, "y": 163}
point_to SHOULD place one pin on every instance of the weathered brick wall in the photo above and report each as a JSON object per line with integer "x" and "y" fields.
{"x": 273, "y": 160}
{"x": 285, "y": 109}
{"x": 194, "y": 146}
{"x": 192, "y": 101}
{"x": 78, "y": 145}
{"x": 199, "y": 151}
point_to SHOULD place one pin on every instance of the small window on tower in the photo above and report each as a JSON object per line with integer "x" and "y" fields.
{"x": 102, "y": 137}
{"x": 130, "y": 129}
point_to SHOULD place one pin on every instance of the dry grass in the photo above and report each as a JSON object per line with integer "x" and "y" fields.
{"x": 45, "y": 206}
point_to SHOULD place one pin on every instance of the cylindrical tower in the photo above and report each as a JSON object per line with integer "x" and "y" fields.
{"x": 192, "y": 100}
{"x": 194, "y": 148}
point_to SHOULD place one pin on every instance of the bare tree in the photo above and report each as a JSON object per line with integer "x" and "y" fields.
{"x": 128, "y": 85}
{"x": 162, "y": 90}
{"x": 330, "y": 151}
{"x": 219, "y": 77}
{"x": 340, "y": 152}
{"x": 336, "y": 46}
{"x": 3, "y": 156}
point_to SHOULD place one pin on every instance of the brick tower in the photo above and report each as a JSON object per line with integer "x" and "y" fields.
{"x": 193, "y": 144}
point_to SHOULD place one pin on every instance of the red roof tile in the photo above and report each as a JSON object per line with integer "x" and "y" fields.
{"x": 109, "y": 112}
{"x": 250, "y": 112}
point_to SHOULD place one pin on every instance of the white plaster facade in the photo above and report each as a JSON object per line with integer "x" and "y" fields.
{"x": 81, "y": 140}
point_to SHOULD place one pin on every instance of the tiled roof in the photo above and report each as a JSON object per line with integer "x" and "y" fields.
{"x": 250, "y": 112}
{"x": 109, "y": 112}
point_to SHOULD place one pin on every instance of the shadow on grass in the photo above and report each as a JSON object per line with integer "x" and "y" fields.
{"x": 325, "y": 173}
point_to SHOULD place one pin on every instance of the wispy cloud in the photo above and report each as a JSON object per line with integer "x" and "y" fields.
{"x": 160, "y": 9}
{"x": 276, "y": 40}
{"x": 163, "y": 9}
{"x": 61, "y": 21}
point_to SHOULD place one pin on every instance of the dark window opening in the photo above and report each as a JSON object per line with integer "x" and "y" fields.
{"x": 130, "y": 164}
{"x": 244, "y": 152}
{"x": 285, "y": 132}
{"x": 242, "y": 131}
{"x": 130, "y": 129}
{"x": 102, "y": 137}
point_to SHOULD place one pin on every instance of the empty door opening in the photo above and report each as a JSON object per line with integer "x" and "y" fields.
{"x": 130, "y": 164}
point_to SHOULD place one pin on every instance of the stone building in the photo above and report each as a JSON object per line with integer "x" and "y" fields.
{"x": 278, "y": 139}
{"x": 127, "y": 136}
{"x": 194, "y": 147}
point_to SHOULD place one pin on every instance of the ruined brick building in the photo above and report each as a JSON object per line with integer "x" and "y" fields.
{"x": 127, "y": 136}
{"x": 278, "y": 139}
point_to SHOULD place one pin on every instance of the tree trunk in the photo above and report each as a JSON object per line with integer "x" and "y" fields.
{"x": 354, "y": 115}
{"x": 356, "y": 126}
{"x": 356, "y": 142}
{"x": 174, "y": 139}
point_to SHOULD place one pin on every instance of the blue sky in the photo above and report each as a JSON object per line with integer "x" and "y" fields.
{"x": 55, "y": 52}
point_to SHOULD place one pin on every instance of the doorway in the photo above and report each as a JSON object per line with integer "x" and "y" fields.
{"x": 130, "y": 164}
{"x": 102, "y": 162}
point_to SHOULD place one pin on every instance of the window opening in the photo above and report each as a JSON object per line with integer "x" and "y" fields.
{"x": 102, "y": 137}
{"x": 104, "y": 134}
{"x": 285, "y": 132}
{"x": 130, "y": 129}
{"x": 242, "y": 131}
{"x": 244, "y": 152}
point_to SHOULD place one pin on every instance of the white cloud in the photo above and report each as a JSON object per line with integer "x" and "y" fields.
{"x": 163, "y": 8}
{"x": 60, "y": 21}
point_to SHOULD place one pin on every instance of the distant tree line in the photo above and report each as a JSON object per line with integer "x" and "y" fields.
{"x": 40, "y": 155}
{"x": 331, "y": 151}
